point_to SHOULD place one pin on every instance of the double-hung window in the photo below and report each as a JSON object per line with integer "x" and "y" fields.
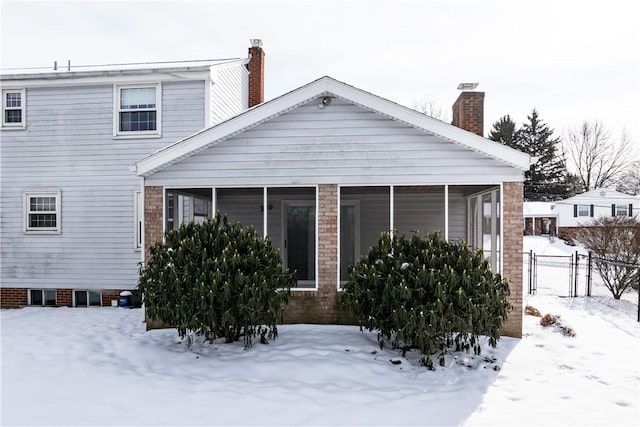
{"x": 13, "y": 108}
{"x": 583, "y": 210}
{"x": 137, "y": 110}
{"x": 42, "y": 212}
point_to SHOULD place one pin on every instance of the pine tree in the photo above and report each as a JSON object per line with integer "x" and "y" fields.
{"x": 546, "y": 179}
{"x": 504, "y": 132}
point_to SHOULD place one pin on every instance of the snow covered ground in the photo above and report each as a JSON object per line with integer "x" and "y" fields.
{"x": 66, "y": 367}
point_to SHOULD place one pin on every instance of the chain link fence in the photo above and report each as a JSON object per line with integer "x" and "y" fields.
{"x": 581, "y": 275}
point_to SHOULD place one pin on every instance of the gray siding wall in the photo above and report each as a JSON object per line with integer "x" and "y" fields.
{"x": 68, "y": 147}
{"x": 229, "y": 92}
{"x": 342, "y": 144}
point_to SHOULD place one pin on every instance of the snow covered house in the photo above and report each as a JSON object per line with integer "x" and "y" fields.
{"x": 71, "y": 206}
{"x": 578, "y": 210}
{"x": 327, "y": 167}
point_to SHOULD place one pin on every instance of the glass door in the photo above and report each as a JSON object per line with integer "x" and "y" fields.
{"x": 299, "y": 240}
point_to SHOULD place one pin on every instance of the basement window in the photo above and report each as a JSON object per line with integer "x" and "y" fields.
{"x": 42, "y": 297}
{"x": 87, "y": 298}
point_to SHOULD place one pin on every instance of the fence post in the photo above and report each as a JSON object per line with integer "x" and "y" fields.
{"x": 575, "y": 276}
{"x": 589, "y": 275}
{"x": 530, "y": 265}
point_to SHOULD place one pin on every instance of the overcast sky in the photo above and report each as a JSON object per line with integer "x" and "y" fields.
{"x": 572, "y": 60}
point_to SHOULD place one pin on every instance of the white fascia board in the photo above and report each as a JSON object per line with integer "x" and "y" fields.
{"x": 321, "y": 87}
{"x": 72, "y": 78}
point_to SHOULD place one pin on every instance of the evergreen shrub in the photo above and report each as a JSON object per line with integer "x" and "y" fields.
{"x": 216, "y": 279}
{"x": 427, "y": 293}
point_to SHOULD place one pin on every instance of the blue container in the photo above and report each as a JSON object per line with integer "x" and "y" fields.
{"x": 125, "y": 299}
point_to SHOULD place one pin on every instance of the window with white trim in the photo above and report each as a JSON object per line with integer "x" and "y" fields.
{"x": 583, "y": 210}
{"x": 137, "y": 110}
{"x": 42, "y": 297}
{"x": 42, "y": 212}
{"x": 13, "y": 103}
{"x": 87, "y": 298}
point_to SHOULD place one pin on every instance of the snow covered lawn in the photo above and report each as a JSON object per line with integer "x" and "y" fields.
{"x": 64, "y": 366}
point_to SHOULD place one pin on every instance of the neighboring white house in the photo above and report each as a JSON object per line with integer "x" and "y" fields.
{"x": 327, "y": 167}
{"x": 71, "y": 206}
{"x": 604, "y": 202}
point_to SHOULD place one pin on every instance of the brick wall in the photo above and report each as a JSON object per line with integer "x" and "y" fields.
{"x": 13, "y": 297}
{"x": 152, "y": 217}
{"x": 512, "y": 254}
{"x": 468, "y": 112}
{"x": 321, "y": 306}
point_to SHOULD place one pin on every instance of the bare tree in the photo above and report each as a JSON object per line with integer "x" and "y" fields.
{"x": 615, "y": 242}
{"x": 597, "y": 159}
{"x": 629, "y": 183}
{"x": 432, "y": 108}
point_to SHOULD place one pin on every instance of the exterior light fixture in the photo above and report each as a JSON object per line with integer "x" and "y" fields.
{"x": 326, "y": 100}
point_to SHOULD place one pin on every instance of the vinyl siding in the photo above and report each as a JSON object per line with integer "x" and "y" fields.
{"x": 68, "y": 146}
{"x": 229, "y": 92}
{"x": 342, "y": 144}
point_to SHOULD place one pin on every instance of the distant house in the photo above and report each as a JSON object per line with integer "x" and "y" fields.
{"x": 604, "y": 202}
{"x": 327, "y": 167}
{"x": 540, "y": 219}
{"x": 71, "y": 230}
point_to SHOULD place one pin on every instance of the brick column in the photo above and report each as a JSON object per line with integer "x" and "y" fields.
{"x": 327, "y": 245}
{"x": 13, "y": 297}
{"x": 152, "y": 217}
{"x": 512, "y": 254}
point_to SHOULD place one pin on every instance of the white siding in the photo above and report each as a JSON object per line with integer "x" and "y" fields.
{"x": 68, "y": 146}
{"x": 601, "y": 206}
{"x": 342, "y": 144}
{"x": 229, "y": 92}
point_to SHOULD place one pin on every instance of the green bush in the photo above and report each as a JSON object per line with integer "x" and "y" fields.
{"x": 427, "y": 293}
{"x": 216, "y": 279}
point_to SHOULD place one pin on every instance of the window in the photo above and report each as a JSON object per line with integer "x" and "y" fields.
{"x": 583, "y": 210}
{"x": 621, "y": 210}
{"x": 42, "y": 212}
{"x": 137, "y": 111}
{"x": 87, "y": 298}
{"x": 42, "y": 297}
{"x": 13, "y": 102}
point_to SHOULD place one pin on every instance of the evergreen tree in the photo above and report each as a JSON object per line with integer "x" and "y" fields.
{"x": 546, "y": 180}
{"x": 504, "y": 132}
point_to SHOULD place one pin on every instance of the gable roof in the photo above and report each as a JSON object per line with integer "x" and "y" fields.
{"x": 604, "y": 194}
{"x": 327, "y": 86}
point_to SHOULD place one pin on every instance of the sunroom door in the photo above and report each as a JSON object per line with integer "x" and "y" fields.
{"x": 299, "y": 240}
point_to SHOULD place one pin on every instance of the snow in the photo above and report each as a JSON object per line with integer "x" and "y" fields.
{"x": 99, "y": 366}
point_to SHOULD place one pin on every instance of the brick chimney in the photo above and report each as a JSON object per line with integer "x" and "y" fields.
{"x": 468, "y": 112}
{"x": 256, "y": 73}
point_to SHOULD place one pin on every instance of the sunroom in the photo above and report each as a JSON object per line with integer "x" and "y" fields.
{"x": 323, "y": 170}
{"x": 457, "y": 212}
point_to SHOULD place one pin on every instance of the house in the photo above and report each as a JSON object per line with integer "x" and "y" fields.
{"x": 71, "y": 207}
{"x": 582, "y": 208}
{"x": 327, "y": 167}
{"x": 540, "y": 219}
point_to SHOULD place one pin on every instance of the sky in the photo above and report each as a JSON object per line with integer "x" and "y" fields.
{"x": 571, "y": 60}
{"x": 98, "y": 366}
